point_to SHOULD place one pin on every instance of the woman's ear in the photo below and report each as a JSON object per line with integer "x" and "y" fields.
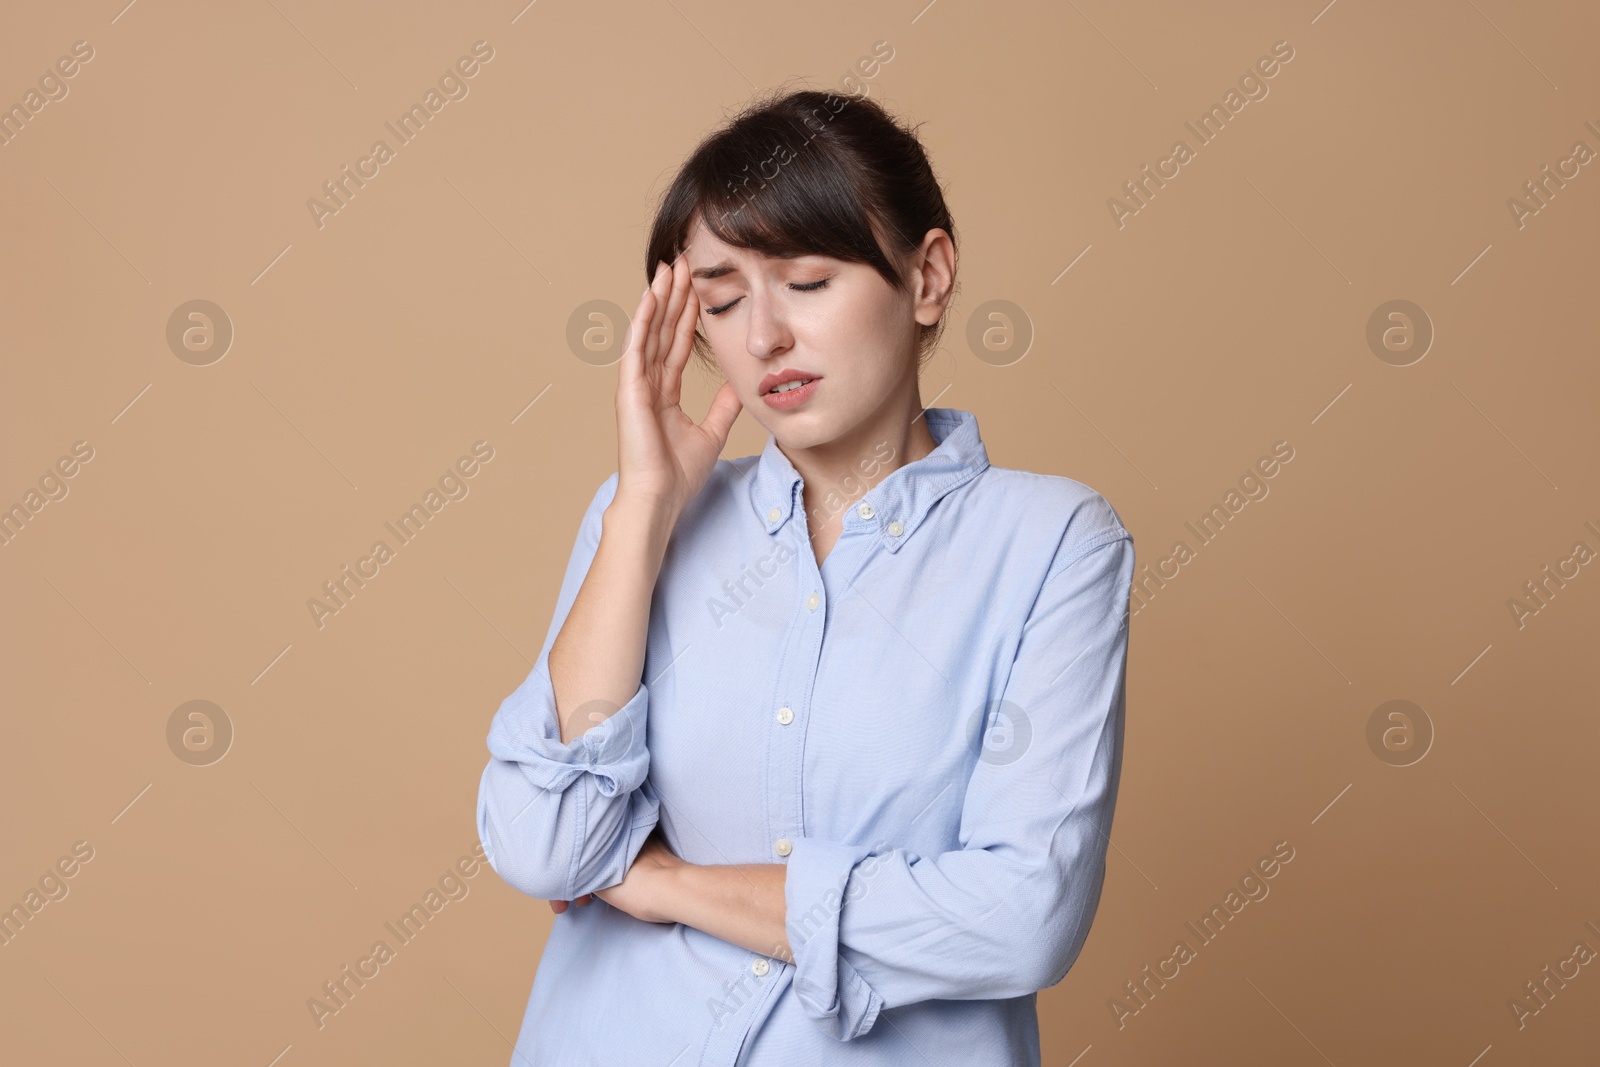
{"x": 934, "y": 276}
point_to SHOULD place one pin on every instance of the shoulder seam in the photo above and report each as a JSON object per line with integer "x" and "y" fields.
{"x": 1079, "y": 551}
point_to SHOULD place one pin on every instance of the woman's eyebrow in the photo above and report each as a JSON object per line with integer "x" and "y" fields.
{"x": 728, "y": 268}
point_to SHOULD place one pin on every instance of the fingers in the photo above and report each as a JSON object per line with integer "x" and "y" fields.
{"x": 559, "y": 906}
{"x": 677, "y": 295}
{"x": 633, "y": 357}
{"x": 661, "y": 289}
{"x": 640, "y": 355}
{"x": 725, "y": 408}
{"x": 682, "y": 342}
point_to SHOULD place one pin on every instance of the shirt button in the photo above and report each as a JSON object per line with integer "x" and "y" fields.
{"x": 760, "y": 967}
{"x": 895, "y": 529}
{"x": 785, "y": 716}
{"x": 865, "y": 510}
{"x": 812, "y": 601}
{"x": 782, "y": 846}
{"x": 772, "y": 514}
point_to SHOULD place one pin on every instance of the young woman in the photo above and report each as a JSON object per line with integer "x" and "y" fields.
{"x": 833, "y": 733}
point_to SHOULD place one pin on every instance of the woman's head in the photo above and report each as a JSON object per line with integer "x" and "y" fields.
{"x": 820, "y": 242}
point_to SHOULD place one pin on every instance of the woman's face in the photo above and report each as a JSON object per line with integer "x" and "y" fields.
{"x": 837, "y": 323}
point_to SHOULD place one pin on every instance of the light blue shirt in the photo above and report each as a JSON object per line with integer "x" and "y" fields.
{"x": 927, "y": 730}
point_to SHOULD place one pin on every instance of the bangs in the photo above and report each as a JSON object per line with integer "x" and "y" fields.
{"x": 778, "y": 192}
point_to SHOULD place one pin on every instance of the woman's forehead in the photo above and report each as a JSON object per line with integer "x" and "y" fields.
{"x": 709, "y": 262}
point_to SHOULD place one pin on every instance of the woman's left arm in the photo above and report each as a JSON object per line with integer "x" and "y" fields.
{"x": 1002, "y": 916}
{"x": 1005, "y": 914}
{"x": 740, "y": 903}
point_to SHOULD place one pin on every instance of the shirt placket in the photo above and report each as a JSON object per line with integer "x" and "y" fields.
{"x": 815, "y": 592}
{"x": 797, "y": 676}
{"x": 796, "y": 673}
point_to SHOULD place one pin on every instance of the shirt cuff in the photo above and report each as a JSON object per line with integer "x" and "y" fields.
{"x": 614, "y": 752}
{"x": 831, "y": 991}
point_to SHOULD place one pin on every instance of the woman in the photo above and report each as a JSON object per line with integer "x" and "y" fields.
{"x": 833, "y": 732}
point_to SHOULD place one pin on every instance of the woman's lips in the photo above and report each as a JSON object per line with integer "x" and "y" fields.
{"x": 790, "y": 398}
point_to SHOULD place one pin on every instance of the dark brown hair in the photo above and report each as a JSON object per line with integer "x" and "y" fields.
{"x": 808, "y": 173}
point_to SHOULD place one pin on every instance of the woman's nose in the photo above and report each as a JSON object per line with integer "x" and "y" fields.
{"x": 768, "y": 332}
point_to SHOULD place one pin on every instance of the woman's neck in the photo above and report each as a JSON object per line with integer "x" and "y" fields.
{"x": 839, "y": 474}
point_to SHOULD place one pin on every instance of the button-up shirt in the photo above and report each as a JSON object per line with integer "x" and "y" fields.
{"x": 926, "y": 731}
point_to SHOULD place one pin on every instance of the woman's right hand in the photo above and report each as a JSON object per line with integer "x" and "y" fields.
{"x": 559, "y": 906}
{"x": 663, "y": 457}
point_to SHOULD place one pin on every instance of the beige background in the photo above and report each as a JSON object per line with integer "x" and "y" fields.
{"x": 369, "y": 354}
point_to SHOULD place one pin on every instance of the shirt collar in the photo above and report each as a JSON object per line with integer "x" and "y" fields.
{"x": 896, "y": 506}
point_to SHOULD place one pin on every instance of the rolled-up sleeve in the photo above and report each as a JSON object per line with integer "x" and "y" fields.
{"x": 874, "y": 927}
{"x": 561, "y": 820}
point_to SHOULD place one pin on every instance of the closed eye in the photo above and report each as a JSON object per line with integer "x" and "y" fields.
{"x": 799, "y": 287}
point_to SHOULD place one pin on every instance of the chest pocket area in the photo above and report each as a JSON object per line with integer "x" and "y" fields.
{"x": 897, "y": 720}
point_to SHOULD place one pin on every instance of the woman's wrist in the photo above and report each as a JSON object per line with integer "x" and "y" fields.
{"x": 674, "y": 894}
{"x": 639, "y": 520}
{"x": 743, "y": 904}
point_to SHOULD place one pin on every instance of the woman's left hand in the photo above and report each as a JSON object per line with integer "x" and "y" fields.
{"x": 642, "y": 891}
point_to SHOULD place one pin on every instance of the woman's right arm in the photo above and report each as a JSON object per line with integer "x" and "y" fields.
{"x": 559, "y": 805}
{"x": 560, "y": 809}
{"x": 596, "y": 662}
